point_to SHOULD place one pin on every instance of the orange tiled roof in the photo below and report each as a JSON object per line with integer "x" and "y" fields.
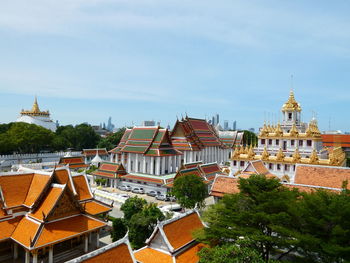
{"x": 63, "y": 177}
{"x": 335, "y": 140}
{"x": 149, "y": 255}
{"x": 25, "y": 231}
{"x": 74, "y": 162}
{"x": 81, "y": 187}
{"x": 39, "y": 182}
{"x": 8, "y": 226}
{"x": 48, "y": 203}
{"x": 118, "y": 254}
{"x": 190, "y": 254}
{"x": 179, "y": 232}
{"x": 224, "y": 185}
{"x": 95, "y": 208}
{"x": 321, "y": 175}
{"x": 15, "y": 188}
{"x": 58, "y": 231}
{"x": 2, "y": 212}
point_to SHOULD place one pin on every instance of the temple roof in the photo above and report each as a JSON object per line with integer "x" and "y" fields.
{"x": 73, "y": 162}
{"x": 291, "y": 104}
{"x": 110, "y": 170}
{"x": 35, "y": 111}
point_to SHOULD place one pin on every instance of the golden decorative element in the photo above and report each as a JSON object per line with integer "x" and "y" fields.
{"x": 251, "y": 152}
{"x": 314, "y": 157}
{"x": 296, "y": 155}
{"x": 285, "y": 178}
{"x": 264, "y": 131}
{"x": 235, "y": 152}
{"x": 278, "y": 130}
{"x": 280, "y": 155}
{"x": 241, "y": 150}
{"x": 35, "y": 111}
{"x": 246, "y": 150}
{"x": 291, "y": 104}
{"x": 294, "y": 131}
{"x": 265, "y": 155}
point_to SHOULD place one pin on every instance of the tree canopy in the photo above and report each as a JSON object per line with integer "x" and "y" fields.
{"x": 278, "y": 221}
{"x": 190, "y": 191}
{"x": 132, "y": 206}
{"x": 22, "y": 137}
{"x": 112, "y": 140}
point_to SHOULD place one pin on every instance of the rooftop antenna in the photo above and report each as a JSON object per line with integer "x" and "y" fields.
{"x": 291, "y": 83}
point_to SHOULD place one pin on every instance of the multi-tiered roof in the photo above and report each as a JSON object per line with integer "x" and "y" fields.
{"x": 191, "y": 134}
{"x": 149, "y": 141}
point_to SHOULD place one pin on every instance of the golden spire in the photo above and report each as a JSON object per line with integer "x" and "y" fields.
{"x": 278, "y": 130}
{"x": 251, "y": 152}
{"x": 296, "y": 155}
{"x": 264, "y": 131}
{"x": 236, "y": 152}
{"x": 280, "y": 155}
{"x": 35, "y": 107}
{"x": 241, "y": 150}
{"x": 314, "y": 157}
{"x": 265, "y": 155}
{"x": 294, "y": 131}
{"x": 291, "y": 104}
{"x": 246, "y": 150}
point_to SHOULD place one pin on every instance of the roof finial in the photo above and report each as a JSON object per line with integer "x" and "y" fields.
{"x": 291, "y": 84}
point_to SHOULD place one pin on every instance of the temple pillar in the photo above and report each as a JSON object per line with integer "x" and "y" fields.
{"x": 27, "y": 257}
{"x": 163, "y": 165}
{"x": 158, "y": 166}
{"x": 86, "y": 243}
{"x": 152, "y": 166}
{"x": 144, "y": 165}
{"x": 51, "y": 254}
{"x": 15, "y": 250}
{"x": 97, "y": 239}
{"x": 136, "y": 163}
{"x": 35, "y": 257}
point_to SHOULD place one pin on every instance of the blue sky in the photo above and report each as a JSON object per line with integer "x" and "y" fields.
{"x": 133, "y": 60}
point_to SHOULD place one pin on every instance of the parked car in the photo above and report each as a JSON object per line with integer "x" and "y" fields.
{"x": 128, "y": 188}
{"x": 152, "y": 193}
{"x": 138, "y": 190}
{"x": 161, "y": 197}
{"x": 126, "y": 196}
{"x": 122, "y": 187}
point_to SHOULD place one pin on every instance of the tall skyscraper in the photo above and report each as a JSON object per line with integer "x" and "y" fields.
{"x": 226, "y": 125}
{"x": 217, "y": 119}
{"x": 234, "y": 127}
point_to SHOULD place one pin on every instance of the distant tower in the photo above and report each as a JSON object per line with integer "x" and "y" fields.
{"x": 213, "y": 121}
{"x": 217, "y": 119}
{"x": 226, "y": 125}
{"x": 234, "y": 126}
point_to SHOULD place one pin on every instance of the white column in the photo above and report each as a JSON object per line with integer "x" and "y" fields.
{"x": 86, "y": 243}
{"x": 158, "y": 166}
{"x": 152, "y": 165}
{"x": 35, "y": 257}
{"x": 27, "y": 257}
{"x": 15, "y": 250}
{"x": 128, "y": 168}
{"x": 51, "y": 254}
{"x": 136, "y": 163}
{"x": 163, "y": 165}
{"x": 144, "y": 164}
{"x": 169, "y": 158}
{"x": 97, "y": 239}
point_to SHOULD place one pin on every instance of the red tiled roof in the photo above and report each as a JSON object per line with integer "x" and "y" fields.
{"x": 25, "y": 231}
{"x": 149, "y": 255}
{"x": 58, "y": 231}
{"x": 74, "y": 162}
{"x": 118, "y": 254}
{"x": 224, "y": 185}
{"x": 96, "y": 208}
{"x": 179, "y": 232}
{"x": 39, "y": 182}
{"x": 81, "y": 187}
{"x": 8, "y": 226}
{"x": 336, "y": 140}
{"x": 93, "y": 152}
{"x": 322, "y": 176}
{"x": 190, "y": 255}
{"x": 144, "y": 179}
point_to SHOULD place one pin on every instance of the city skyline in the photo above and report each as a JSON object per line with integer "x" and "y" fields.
{"x": 88, "y": 60}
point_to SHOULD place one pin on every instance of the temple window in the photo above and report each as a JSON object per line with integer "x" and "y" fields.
{"x": 234, "y": 163}
{"x": 300, "y": 142}
{"x": 241, "y": 163}
{"x": 308, "y": 142}
{"x": 290, "y": 116}
{"x": 278, "y": 166}
{"x": 292, "y": 142}
{"x": 286, "y": 167}
{"x": 270, "y": 166}
{"x": 277, "y": 142}
{"x": 263, "y": 141}
{"x": 270, "y": 141}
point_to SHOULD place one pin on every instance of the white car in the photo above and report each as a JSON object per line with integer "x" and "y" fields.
{"x": 122, "y": 187}
{"x": 138, "y": 190}
{"x": 128, "y": 188}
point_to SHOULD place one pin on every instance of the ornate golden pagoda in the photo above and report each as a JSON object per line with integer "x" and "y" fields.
{"x": 291, "y": 104}
{"x": 35, "y": 111}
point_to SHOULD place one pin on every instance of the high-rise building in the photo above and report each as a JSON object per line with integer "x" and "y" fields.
{"x": 217, "y": 119}
{"x": 234, "y": 127}
{"x": 148, "y": 123}
{"x": 226, "y": 125}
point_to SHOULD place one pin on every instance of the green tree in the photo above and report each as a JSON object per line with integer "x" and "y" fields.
{"x": 132, "y": 206}
{"x": 142, "y": 224}
{"x": 249, "y": 138}
{"x": 230, "y": 253}
{"x": 262, "y": 212}
{"x": 112, "y": 140}
{"x": 119, "y": 229}
{"x": 324, "y": 226}
{"x": 190, "y": 191}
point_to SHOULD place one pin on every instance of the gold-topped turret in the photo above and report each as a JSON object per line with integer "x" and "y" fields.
{"x": 296, "y": 155}
{"x": 291, "y": 104}
{"x": 278, "y": 130}
{"x": 35, "y": 111}
{"x": 251, "y": 152}
{"x": 314, "y": 157}
{"x": 280, "y": 155}
{"x": 294, "y": 131}
{"x": 265, "y": 154}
